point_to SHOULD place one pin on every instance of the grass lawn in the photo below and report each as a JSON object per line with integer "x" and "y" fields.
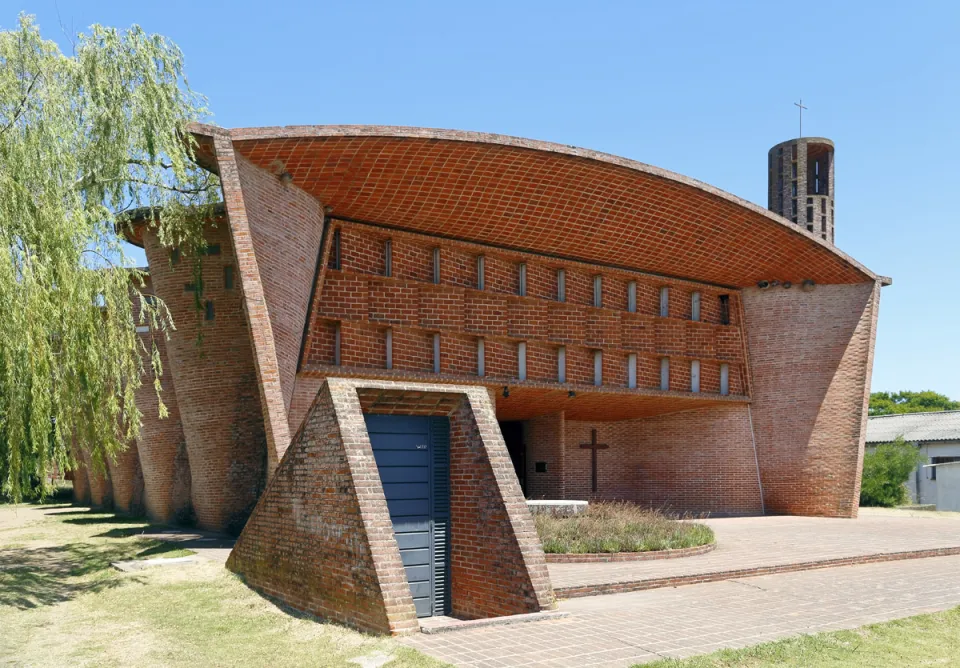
{"x": 924, "y": 640}
{"x": 618, "y": 527}
{"x": 61, "y": 603}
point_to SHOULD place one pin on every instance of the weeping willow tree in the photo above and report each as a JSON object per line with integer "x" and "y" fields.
{"x": 85, "y": 140}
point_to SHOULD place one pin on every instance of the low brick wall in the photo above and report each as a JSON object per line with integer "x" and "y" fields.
{"x": 600, "y": 558}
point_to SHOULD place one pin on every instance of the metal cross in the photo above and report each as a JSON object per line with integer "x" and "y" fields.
{"x": 593, "y": 446}
{"x": 800, "y": 104}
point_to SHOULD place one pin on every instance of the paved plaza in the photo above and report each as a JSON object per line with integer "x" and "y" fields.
{"x": 622, "y": 629}
{"x": 775, "y": 542}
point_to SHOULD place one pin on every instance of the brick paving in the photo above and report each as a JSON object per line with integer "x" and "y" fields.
{"x": 771, "y": 542}
{"x": 622, "y": 629}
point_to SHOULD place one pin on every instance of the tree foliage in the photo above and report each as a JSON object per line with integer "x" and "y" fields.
{"x": 885, "y": 470}
{"x": 887, "y": 403}
{"x": 85, "y": 139}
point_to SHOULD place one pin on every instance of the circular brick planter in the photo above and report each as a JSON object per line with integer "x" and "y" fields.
{"x": 596, "y": 558}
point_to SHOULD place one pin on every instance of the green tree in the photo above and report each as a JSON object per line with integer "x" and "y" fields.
{"x": 887, "y": 403}
{"x": 85, "y": 139}
{"x": 885, "y": 470}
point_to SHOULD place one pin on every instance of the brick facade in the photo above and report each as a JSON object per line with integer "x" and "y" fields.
{"x": 334, "y": 235}
{"x": 215, "y": 381}
{"x": 126, "y": 481}
{"x": 166, "y": 494}
{"x": 811, "y": 354}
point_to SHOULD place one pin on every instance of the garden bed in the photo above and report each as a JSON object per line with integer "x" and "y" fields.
{"x": 619, "y": 531}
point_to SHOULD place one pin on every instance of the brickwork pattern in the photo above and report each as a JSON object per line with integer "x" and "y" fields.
{"x": 690, "y": 461}
{"x": 216, "y": 385}
{"x": 160, "y": 440}
{"x": 126, "y": 480}
{"x": 363, "y": 304}
{"x": 544, "y": 437}
{"x": 511, "y": 192}
{"x": 497, "y": 564}
{"x": 257, "y": 318}
{"x": 286, "y": 225}
{"x": 811, "y": 355}
{"x": 321, "y": 539}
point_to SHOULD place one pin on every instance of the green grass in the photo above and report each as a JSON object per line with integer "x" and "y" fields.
{"x": 618, "y": 527}
{"x": 924, "y": 640}
{"x": 61, "y": 603}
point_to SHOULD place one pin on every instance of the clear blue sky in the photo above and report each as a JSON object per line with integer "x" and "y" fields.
{"x": 700, "y": 88}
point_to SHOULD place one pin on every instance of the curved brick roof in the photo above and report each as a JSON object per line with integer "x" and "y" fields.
{"x": 543, "y": 197}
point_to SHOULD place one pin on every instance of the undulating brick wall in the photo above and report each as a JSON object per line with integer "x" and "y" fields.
{"x": 166, "y": 497}
{"x": 811, "y": 355}
{"x": 286, "y": 225}
{"x": 81, "y": 485}
{"x": 126, "y": 480}
{"x": 98, "y": 482}
{"x": 215, "y": 380}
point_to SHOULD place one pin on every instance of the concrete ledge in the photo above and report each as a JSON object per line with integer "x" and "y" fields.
{"x": 432, "y": 625}
{"x": 139, "y": 565}
{"x": 598, "y": 589}
{"x": 596, "y": 558}
{"x": 557, "y": 508}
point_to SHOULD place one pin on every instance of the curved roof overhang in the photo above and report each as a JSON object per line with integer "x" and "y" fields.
{"x": 542, "y": 197}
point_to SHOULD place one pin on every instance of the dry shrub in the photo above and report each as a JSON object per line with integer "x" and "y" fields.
{"x": 618, "y": 527}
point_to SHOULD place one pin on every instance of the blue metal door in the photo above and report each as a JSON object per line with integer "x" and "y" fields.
{"x": 413, "y": 457}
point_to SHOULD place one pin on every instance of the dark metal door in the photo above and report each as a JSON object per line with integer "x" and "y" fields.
{"x": 413, "y": 457}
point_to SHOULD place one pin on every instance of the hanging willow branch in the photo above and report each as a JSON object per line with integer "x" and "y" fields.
{"x": 84, "y": 139}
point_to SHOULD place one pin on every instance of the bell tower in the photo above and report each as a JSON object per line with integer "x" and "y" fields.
{"x": 800, "y": 184}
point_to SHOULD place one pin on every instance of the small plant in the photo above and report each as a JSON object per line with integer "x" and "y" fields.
{"x": 885, "y": 470}
{"x": 607, "y": 527}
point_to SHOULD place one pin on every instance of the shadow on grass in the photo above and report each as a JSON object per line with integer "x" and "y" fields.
{"x": 30, "y": 578}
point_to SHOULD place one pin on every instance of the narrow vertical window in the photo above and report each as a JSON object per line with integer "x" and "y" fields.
{"x": 336, "y": 344}
{"x": 522, "y": 279}
{"x": 724, "y": 379}
{"x": 562, "y": 364}
{"x": 695, "y": 306}
{"x": 561, "y": 285}
{"x": 522, "y": 360}
{"x": 724, "y": 309}
{"x": 598, "y": 367}
{"x": 664, "y": 302}
{"x": 436, "y": 353}
{"x": 481, "y": 279}
{"x": 436, "y": 265}
{"x": 632, "y": 296}
{"x": 337, "y": 264}
{"x": 389, "y": 348}
{"x": 481, "y": 363}
{"x": 695, "y": 376}
{"x": 208, "y": 310}
{"x": 388, "y": 258}
{"x": 598, "y": 291}
{"x": 228, "y": 277}
{"x": 174, "y": 256}
{"x": 665, "y": 373}
{"x": 632, "y": 371}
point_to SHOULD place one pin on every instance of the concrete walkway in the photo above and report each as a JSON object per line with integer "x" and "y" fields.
{"x": 622, "y": 629}
{"x": 757, "y": 545}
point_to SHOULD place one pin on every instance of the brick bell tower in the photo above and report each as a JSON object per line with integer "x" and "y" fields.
{"x": 800, "y": 184}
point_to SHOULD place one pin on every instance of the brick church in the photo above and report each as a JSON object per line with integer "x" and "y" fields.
{"x": 406, "y": 332}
